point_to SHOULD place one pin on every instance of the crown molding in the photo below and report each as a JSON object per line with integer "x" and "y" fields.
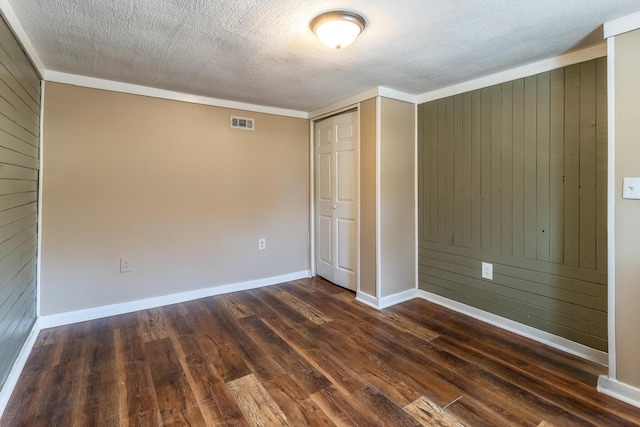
{"x": 622, "y": 25}
{"x": 115, "y": 86}
{"x": 363, "y": 96}
{"x": 545, "y": 65}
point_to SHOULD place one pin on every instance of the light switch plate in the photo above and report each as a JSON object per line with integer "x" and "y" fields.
{"x": 631, "y": 188}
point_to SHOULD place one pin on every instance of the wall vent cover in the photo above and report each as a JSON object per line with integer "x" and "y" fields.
{"x": 242, "y": 123}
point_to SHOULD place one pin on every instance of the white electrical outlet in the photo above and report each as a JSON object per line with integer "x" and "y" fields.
{"x": 125, "y": 265}
{"x": 487, "y": 271}
{"x": 262, "y": 244}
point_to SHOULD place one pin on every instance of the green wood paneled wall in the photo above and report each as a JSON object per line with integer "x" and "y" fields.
{"x": 19, "y": 164}
{"x": 515, "y": 174}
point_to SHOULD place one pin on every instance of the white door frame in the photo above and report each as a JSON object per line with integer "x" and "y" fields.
{"x": 312, "y": 188}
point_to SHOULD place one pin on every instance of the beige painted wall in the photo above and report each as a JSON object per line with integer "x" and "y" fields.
{"x": 169, "y": 186}
{"x": 627, "y": 212}
{"x": 368, "y": 214}
{"x": 397, "y": 197}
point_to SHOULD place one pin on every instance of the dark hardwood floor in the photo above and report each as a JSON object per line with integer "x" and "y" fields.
{"x": 303, "y": 353}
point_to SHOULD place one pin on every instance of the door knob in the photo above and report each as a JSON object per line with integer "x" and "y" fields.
{"x": 334, "y": 206}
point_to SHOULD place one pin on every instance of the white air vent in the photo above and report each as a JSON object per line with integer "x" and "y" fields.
{"x": 242, "y": 123}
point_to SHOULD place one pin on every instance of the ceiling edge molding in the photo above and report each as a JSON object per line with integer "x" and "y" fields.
{"x": 363, "y": 96}
{"x": 14, "y": 23}
{"x": 114, "y": 86}
{"x": 565, "y": 60}
{"x": 397, "y": 95}
{"x": 622, "y": 25}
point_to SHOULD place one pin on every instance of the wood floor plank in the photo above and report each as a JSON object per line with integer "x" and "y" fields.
{"x": 59, "y": 396}
{"x": 476, "y": 413}
{"x": 141, "y": 407}
{"x": 152, "y": 325}
{"x": 398, "y": 391}
{"x": 299, "y": 409}
{"x": 368, "y": 355}
{"x": 222, "y": 354}
{"x": 465, "y": 329}
{"x": 407, "y": 325}
{"x": 268, "y": 306}
{"x": 430, "y": 414}
{"x": 291, "y": 362}
{"x": 341, "y": 409}
{"x": 477, "y": 384}
{"x": 571, "y": 396}
{"x": 303, "y": 353}
{"x": 237, "y": 308}
{"x": 256, "y": 404}
{"x": 176, "y": 401}
{"x": 261, "y": 363}
{"x": 212, "y": 396}
{"x": 100, "y": 387}
{"x": 316, "y": 316}
{"x": 47, "y": 337}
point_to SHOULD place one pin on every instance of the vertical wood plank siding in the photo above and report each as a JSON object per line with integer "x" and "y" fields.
{"x": 19, "y": 164}
{"x": 515, "y": 175}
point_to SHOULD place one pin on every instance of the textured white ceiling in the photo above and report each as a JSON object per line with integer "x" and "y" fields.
{"x": 262, "y": 51}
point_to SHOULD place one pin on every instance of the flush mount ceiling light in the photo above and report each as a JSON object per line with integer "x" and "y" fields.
{"x": 338, "y": 28}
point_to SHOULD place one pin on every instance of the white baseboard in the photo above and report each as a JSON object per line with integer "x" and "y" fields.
{"x": 543, "y": 337}
{"x": 70, "y": 317}
{"x": 367, "y": 299}
{"x": 620, "y": 391}
{"x": 394, "y": 299}
{"x": 387, "y": 301}
{"x": 17, "y": 367}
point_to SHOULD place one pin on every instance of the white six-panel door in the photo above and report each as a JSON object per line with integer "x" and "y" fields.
{"x": 336, "y": 148}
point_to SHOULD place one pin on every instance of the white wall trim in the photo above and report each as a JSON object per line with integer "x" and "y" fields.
{"x": 342, "y": 104}
{"x": 611, "y": 208}
{"x": 359, "y": 199}
{"x": 620, "y": 391}
{"x": 587, "y": 54}
{"x": 622, "y": 25}
{"x": 378, "y": 192}
{"x": 18, "y": 365}
{"x": 336, "y": 112}
{"x": 388, "y": 301}
{"x": 312, "y": 197}
{"x": 40, "y": 175}
{"x": 14, "y": 23}
{"x": 397, "y": 95}
{"x": 367, "y": 299}
{"x": 398, "y": 298}
{"x": 110, "y": 85}
{"x": 543, "y": 337}
{"x": 415, "y": 203}
{"x": 363, "y": 96}
{"x": 130, "y": 306}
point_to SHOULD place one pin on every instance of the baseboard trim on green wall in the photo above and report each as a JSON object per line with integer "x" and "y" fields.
{"x": 543, "y": 337}
{"x": 619, "y": 390}
{"x": 18, "y": 365}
